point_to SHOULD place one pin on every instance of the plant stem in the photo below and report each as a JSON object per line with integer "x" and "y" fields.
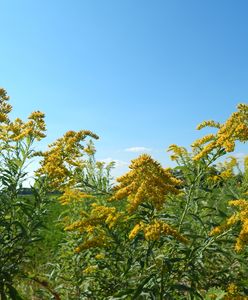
{"x": 188, "y": 200}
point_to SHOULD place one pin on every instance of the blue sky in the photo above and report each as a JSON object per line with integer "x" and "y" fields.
{"x": 138, "y": 73}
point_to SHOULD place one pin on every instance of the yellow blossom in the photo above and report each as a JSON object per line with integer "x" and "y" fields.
{"x": 99, "y": 216}
{"x": 203, "y": 140}
{"x": 5, "y": 107}
{"x": 90, "y": 269}
{"x": 94, "y": 242}
{"x": 73, "y": 194}
{"x": 61, "y": 162}
{"x": 206, "y": 150}
{"x": 240, "y": 216}
{"x": 100, "y": 256}
{"x": 232, "y": 289}
{"x": 158, "y": 228}
{"x": 209, "y": 123}
{"x": 135, "y": 231}
{"x": 216, "y": 230}
{"x": 234, "y": 129}
{"x": 178, "y": 152}
{"x": 146, "y": 182}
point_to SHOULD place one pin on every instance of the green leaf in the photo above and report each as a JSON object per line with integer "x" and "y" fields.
{"x": 14, "y": 295}
{"x": 140, "y": 287}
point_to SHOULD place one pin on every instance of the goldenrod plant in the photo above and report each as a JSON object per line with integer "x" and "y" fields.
{"x": 20, "y": 216}
{"x": 157, "y": 233}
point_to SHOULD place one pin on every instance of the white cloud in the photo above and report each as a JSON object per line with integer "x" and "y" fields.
{"x": 118, "y": 163}
{"x": 138, "y": 149}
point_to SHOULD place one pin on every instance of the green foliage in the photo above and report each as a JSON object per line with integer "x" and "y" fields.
{"x": 178, "y": 233}
{"x": 21, "y": 217}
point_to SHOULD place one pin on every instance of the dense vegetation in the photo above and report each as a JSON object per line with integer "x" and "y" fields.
{"x": 176, "y": 233}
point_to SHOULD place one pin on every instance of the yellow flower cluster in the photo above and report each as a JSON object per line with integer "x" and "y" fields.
{"x": 226, "y": 174}
{"x": 37, "y": 124}
{"x": 178, "y": 152}
{"x": 100, "y": 256}
{"x": 34, "y": 128}
{"x": 209, "y": 123}
{"x": 63, "y": 158}
{"x": 232, "y": 289}
{"x": 146, "y": 182}
{"x": 94, "y": 226}
{"x": 205, "y": 151}
{"x": 17, "y": 130}
{"x": 240, "y": 216}
{"x": 93, "y": 242}
{"x": 200, "y": 142}
{"x": 90, "y": 269}
{"x": 137, "y": 228}
{"x": 233, "y": 293}
{"x": 73, "y": 194}
{"x": 99, "y": 215}
{"x": 5, "y": 107}
{"x": 154, "y": 231}
{"x": 234, "y": 129}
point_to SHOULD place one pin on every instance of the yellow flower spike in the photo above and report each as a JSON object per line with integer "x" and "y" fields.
{"x": 137, "y": 228}
{"x": 77, "y": 250}
{"x": 95, "y": 242}
{"x": 206, "y": 150}
{"x": 240, "y": 216}
{"x": 215, "y": 231}
{"x": 5, "y": 107}
{"x": 90, "y": 269}
{"x": 69, "y": 195}
{"x": 203, "y": 140}
{"x": 232, "y": 220}
{"x": 178, "y": 151}
{"x": 209, "y": 123}
{"x": 146, "y": 182}
{"x": 239, "y": 246}
{"x": 226, "y": 174}
{"x": 74, "y": 226}
{"x": 158, "y": 228}
{"x": 3, "y": 118}
{"x": 37, "y": 116}
{"x": 99, "y": 216}
{"x": 234, "y": 129}
{"x": 232, "y": 289}
{"x": 63, "y": 158}
{"x": 100, "y": 256}
{"x": 89, "y": 229}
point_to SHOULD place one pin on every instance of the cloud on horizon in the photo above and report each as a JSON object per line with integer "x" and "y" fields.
{"x": 138, "y": 149}
{"x": 118, "y": 163}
